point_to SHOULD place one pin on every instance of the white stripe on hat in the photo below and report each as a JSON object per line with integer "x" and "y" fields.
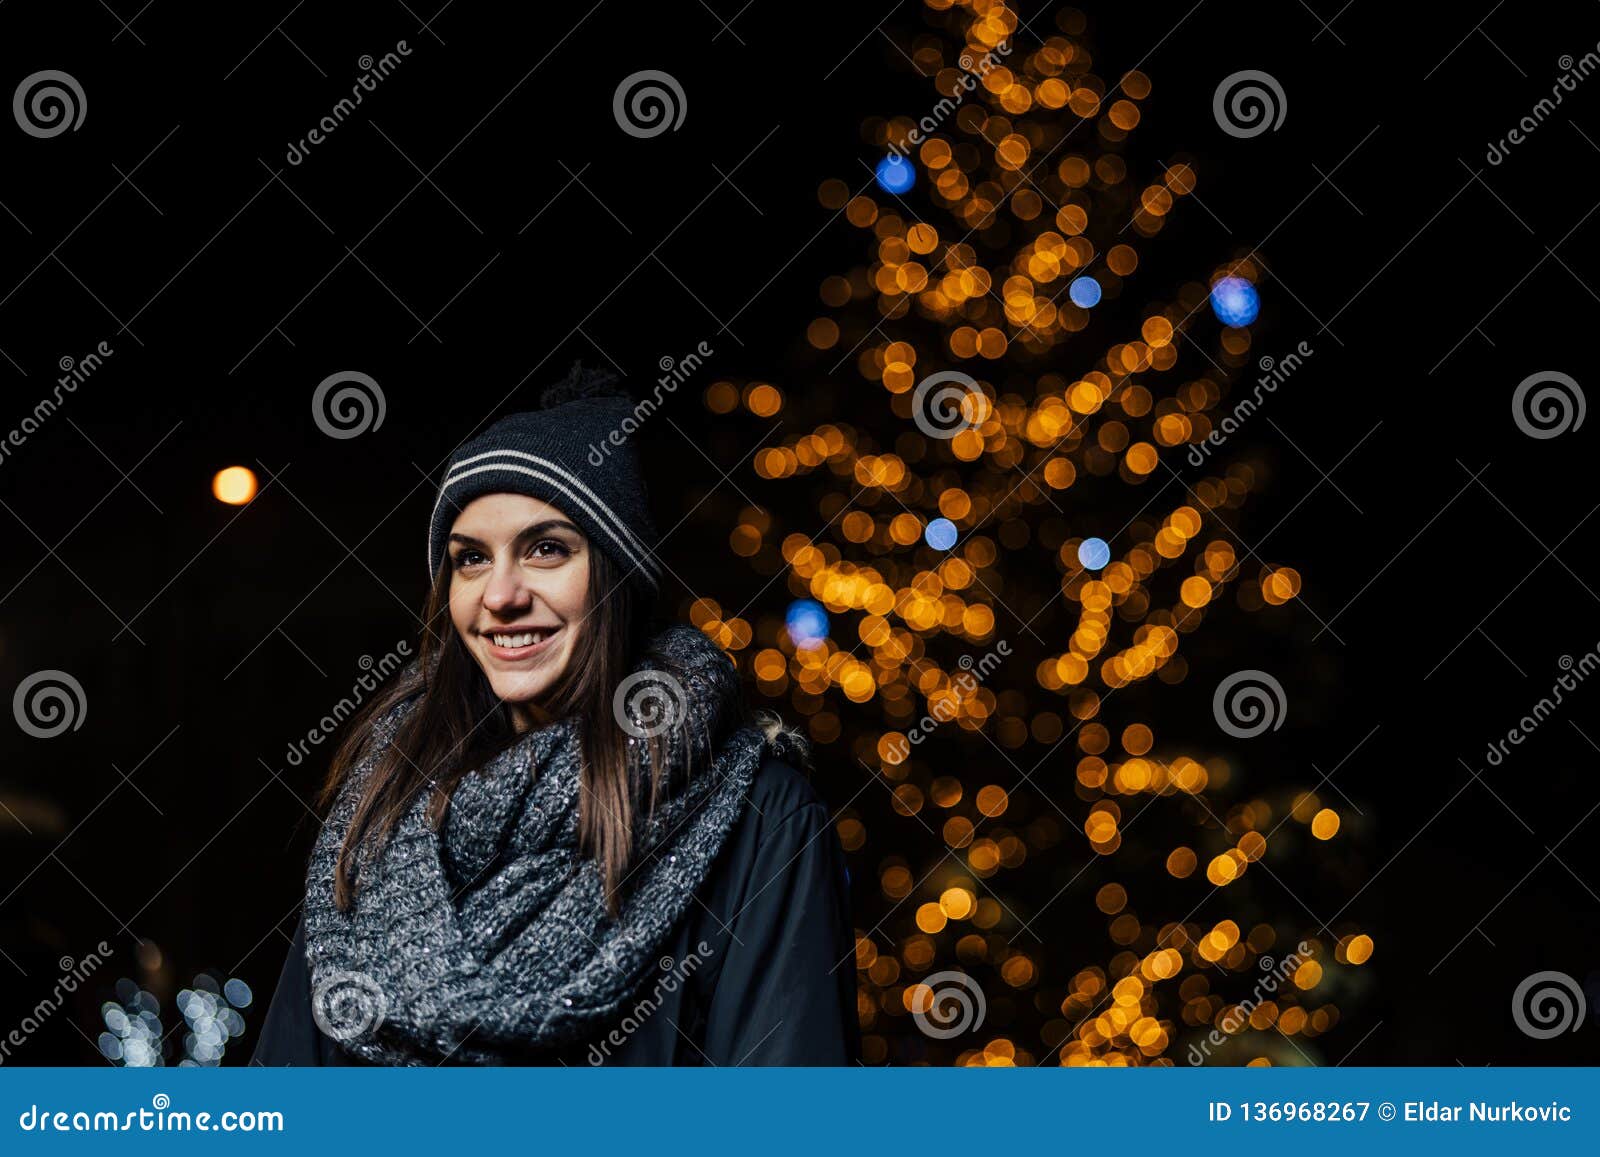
{"x": 642, "y": 559}
{"x": 640, "y": 546}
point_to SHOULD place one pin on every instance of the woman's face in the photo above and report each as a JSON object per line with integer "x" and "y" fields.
{"x": 519, "y": 592}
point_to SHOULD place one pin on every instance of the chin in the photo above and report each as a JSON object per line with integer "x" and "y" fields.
{"x": 518, "y": 689}
{"x": 525, "y": 684}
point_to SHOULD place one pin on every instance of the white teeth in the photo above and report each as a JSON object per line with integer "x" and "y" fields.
{"x": 525, "y": 639}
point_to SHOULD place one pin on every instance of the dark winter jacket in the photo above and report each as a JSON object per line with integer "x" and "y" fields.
{"x": 761, "y": 971}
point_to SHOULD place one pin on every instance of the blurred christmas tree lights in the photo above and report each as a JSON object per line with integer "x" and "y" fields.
{"x": 1000, "y": 479}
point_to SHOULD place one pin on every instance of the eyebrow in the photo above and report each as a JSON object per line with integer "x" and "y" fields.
{"x": 524, "y": 534}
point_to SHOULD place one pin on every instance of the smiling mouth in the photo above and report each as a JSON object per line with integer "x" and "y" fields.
{"x": 518, "y": 644}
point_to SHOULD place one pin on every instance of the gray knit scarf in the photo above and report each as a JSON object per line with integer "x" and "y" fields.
{"x": 489, "y": 940}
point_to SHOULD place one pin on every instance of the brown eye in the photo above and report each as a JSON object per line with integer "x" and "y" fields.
{"x": 548, "y": 550}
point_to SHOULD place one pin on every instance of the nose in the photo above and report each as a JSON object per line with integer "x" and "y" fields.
{"x": 506, "y": 594}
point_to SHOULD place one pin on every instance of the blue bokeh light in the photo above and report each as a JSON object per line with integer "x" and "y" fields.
{"x": 1235, "y": 301}
{"x": 1094, "y": 553}
{"x": 941, "y": 534}
{"x": 895, "y": 174}
{"x": 1085, "y": 292}
{"x": 807, "y": 622}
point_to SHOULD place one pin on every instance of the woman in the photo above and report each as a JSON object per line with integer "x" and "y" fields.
{"x": 555, "y": 837}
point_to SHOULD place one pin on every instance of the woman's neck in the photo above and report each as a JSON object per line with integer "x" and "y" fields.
{"x": 527, "y": 716}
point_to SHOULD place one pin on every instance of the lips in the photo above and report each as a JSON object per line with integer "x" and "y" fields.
{"x": 511, "y": 646}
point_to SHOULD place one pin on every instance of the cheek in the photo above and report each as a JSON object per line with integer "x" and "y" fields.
{"x": 573, "y": 595}
{"x": 463, "y": 605}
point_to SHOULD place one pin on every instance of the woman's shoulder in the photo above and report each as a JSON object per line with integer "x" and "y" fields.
{"x": 782, "y": 793}
{"x": 779, "y": 848}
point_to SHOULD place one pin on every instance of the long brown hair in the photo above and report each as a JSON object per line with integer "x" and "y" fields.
{"x": 460, "y": 723}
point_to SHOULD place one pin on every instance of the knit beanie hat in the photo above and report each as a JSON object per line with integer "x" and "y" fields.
{"x": 572, "y": 453}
